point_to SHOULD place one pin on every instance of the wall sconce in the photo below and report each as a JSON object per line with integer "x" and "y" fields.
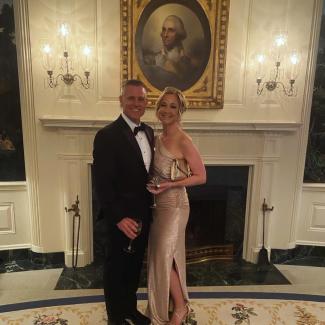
{"x": 66, "y": 62}
{"x": 279, "y": 55}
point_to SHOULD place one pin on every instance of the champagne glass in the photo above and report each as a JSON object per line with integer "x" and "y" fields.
{"x": 130, "y": 249}
{"x": 155, "y": 181}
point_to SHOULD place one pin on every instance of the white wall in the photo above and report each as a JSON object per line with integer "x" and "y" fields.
{"x": 251, "y": 23}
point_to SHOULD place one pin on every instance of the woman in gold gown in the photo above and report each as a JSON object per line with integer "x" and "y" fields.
{"x": 177, "y": 164}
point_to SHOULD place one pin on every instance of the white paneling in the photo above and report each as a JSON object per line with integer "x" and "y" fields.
{"x": 236, "y": 53}
{"x": 31, "y": 208}
{"x": 108, "y": 44}
{"x": 311, "y": 225}
{"x": 7, "y": 218}
{"x": 298, "y": 222}
{"x": 15, "y": 230}
{"x": 318, "y": 216}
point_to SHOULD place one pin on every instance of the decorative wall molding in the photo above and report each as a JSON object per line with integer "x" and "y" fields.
{"x": 7, "y": 218}
{"x": 317, "y": 187}
{"x": 237, "y": 98}
{"x": 311, "y": 226}
{"x": 318, "y": 217}
{"x": 310, "y": 243}
{"x": 13, "y": 186}
{"x": 28, "y": 114}
{"x": 305, "y": 115}
{"x": 14, "y": 247}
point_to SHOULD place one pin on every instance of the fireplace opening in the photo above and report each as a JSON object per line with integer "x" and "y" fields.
{"x": 217, "y": 216}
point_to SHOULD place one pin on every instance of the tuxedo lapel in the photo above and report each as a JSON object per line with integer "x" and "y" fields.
{"x": 131, "y": 138}
{"x": 150, "y": 136}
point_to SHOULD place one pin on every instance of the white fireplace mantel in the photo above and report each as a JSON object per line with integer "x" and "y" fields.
{"x": 202, "y": 126}
{"x": 257, "y": 144}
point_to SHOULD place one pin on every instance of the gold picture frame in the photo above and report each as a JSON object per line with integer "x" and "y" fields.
{"x": 196, "y": 65}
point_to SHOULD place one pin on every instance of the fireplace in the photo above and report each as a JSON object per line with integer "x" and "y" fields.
{"x": 217, "y": 216}
{"x": 228, "y": 147}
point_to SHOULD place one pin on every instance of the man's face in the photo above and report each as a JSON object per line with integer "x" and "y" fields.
{"x": 168, "y": 34}
{"x": 134, "y": 102}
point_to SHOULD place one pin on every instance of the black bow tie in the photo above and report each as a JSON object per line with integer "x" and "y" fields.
{"x": 138, "y": 128}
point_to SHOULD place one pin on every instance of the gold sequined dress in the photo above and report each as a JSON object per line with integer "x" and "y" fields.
{"x": 166, "y": 240}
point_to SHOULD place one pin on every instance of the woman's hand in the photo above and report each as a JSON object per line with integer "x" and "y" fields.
{"x": 161, "y": 187}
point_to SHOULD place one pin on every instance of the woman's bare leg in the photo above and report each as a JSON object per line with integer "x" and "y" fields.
{"x": 178, "y": 299}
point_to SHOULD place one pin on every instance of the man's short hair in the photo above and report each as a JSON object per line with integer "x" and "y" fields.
{"x": 132, "y": 82}
{"x": 179, "y": 26}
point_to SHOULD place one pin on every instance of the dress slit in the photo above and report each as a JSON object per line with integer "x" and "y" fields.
{"x": 184, "y": 291}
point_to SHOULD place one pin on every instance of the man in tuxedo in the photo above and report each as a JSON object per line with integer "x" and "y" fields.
{"x": 123, "y": 153}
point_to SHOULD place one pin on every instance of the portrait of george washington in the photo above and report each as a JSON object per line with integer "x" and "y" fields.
{"x": 173, "y": 45}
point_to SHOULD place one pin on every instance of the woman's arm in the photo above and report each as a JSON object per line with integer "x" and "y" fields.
{"x": 193, "y": 158}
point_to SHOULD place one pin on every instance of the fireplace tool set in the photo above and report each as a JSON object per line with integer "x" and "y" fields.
{"x": 75, "y": 221}
{"x": 262, "y": 255}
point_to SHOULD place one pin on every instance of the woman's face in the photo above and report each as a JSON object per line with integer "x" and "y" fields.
{"x": 168, "y": 111}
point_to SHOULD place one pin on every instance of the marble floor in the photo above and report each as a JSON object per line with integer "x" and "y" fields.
{"x": 40, "y": 284}
{"x": 208, "y": 273}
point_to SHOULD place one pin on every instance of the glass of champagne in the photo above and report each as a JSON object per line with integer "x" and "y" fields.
{"x": 130, "y": 249}
{"x": 155, "y": 181}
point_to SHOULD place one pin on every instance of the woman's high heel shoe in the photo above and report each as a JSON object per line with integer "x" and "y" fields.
{"x": 188, "y": 317}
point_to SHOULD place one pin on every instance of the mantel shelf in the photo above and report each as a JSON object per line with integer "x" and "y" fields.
{"x": 202, "y": 126}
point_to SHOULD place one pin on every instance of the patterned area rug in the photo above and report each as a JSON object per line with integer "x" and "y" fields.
{"x": 224, "y": 308}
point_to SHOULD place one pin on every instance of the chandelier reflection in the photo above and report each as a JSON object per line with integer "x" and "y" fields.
{"x": 66, "y": 62}
{"x": 282, "y": 78}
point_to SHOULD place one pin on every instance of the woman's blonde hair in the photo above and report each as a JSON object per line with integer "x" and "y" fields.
{"x": 181, "y": 99}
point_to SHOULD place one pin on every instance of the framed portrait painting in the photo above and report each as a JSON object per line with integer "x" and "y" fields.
{"x": 179, "y": 43}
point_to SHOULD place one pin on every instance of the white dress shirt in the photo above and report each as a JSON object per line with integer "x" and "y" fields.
{"x": 143, "y": 142}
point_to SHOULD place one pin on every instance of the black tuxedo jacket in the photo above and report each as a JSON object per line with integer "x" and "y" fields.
{"x": 120, "y": 174}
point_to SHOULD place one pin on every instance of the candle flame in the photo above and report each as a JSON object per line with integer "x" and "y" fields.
{"x": 260, "y": 58}
{"x": 86, "y": 50}
{"x": 64, "y": 30}
{"x": 294, "y": 59}
{"x": 280, "y": 40}
{"x": 47, "y": 49}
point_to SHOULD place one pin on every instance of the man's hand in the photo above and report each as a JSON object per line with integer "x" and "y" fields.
{"x": 129, "y": 227}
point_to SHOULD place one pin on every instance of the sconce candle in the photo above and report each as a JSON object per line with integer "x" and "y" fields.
{"x": 294, "y": 59}
{"x": 280, "y": 42}
{"x": 260, "y": 66}
{"x": 87, "y": 53}
{"x": 64, "y": 31}
{"x": 47, "y": 51}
